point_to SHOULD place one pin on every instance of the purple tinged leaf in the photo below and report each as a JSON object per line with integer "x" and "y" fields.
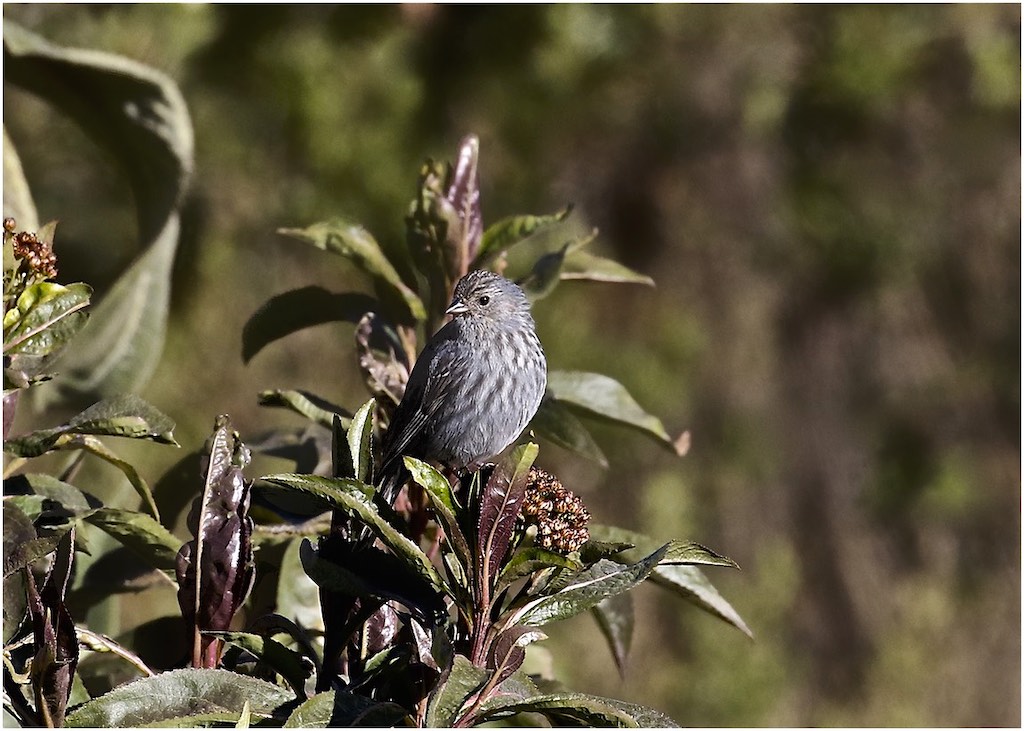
{"x": 215, "y": 570}
{"x": 464, "y": 196}
{"x": 55, "y": 640}
{"x": 500, "y": 502}
{"x": 508, "y": 652}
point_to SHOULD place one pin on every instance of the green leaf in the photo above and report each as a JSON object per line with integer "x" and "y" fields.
{"x": 605, "y": 397}
{"x": 337, "y": 709}
{"x": 356, "y": 499}
{"x": 287, "y": 663}
{"x": 18, "y": 532}
{"x": 45, "y": 318}
{"x": 139, "y": 532}
{"x": 292, "y": 311}
{"x": 586, "y": 589}
{"x": 528, "y": 560}
{"x": 588, "y": 710}
{"x": 448, "y": 699}
{"x": 360, "y": 436}
{"x": 18, "y": 203}
{"x": 555, "y": 422}
{"x": 500, "y": 504}
{"x": 138, "y": 115}
{"x": 443, "y": 502}
{"x": 615, "y": 617}
{"x": 298, "y": 597}
{"x": 686, "y": 581}
{"x": 306, "y": 404}
{"x": 507, "y": 232}
{"x": 176, "y": 695}
{"x": 584, "y": 265}
{"x": 349, "y": 239}
{"x": 122, "y": 416}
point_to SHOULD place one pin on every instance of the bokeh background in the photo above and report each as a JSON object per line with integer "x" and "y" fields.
{"x": 829, "y": 202}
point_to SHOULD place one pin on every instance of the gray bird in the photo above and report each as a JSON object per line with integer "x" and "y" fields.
{"x": 475, "y": 386}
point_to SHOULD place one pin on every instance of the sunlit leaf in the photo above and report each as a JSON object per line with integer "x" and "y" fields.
{"x": 500, "y": 503}
{"x": 443, "y": 502}
{"x": 297, "y": 309}
{"x": 508, "y": 232}
{"x": 349, "y": 239}
{"x": 139, "y": 532}
{"x": 45, "y": 318}
{"x": 448, "y": 699}
{"x": 301, "y": 402}
{"x": 338, "y": 709}
{"x": 605, "y": 397}
{"x": 584, "y": 265}
{"x": 18, "y": 203}
{"x": 579, "y": 709}
{"x": 177, "y": 695}
{"x": 359, "y": 437}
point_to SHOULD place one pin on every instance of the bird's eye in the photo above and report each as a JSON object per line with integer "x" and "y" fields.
{"x": 484, "y": 299}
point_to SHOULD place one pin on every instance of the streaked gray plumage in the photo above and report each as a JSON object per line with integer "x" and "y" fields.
{"x": 475, "y": 386}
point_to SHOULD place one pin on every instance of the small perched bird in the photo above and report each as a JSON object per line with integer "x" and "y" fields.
{"x": 475, "y": 386}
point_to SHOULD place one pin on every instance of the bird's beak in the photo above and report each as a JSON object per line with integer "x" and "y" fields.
{"x": 457, "y": 307}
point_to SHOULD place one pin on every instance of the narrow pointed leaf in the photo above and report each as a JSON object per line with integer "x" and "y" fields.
{"x": 297, "y": 309}
{"x": 605, "y": 397}
{"x": 306, "y": 404}
{"x": 500, "y": 504}
{"x": 579, "y": 709}
{"x": 18, "y": 203}
{"x": 464, "y": 196}
{"x": 349, "y": 239}
{"x": 180, "y": 694}
{"x": 528, "y": 560}
{"x": 338, "y": 709}
{"x": 356, "y": 499}
{"x": 359, "y": 436}
{"x": 443, "y": 503}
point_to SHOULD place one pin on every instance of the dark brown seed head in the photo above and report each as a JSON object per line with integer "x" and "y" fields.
{"x": 560, "y": 516}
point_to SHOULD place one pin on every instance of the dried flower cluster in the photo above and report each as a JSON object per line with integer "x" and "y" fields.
{"x": 38, "y": 255}
{"x": 560, "y": 516}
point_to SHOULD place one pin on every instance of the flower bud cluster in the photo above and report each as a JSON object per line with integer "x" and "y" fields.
{"x": 38, "y": 255}
{"x": 560, "y": 516}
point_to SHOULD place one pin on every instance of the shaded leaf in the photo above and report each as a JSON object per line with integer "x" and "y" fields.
{"x": 555, "y": 422}
{"x": 140, "y": 117}
{"x": 178, "y": 695}
{"x": 580, "y": 709}
{"x": 605, "y": 397}
{"x": 18, "y": 531}
{"x": 302, "y": 402}
{"x": 615, "y": 617}
{"x": 366, "y": 571}
{"x": 507, "y": 232}
{"x": 18, "y": 203}
{"x": 349, "y": 239}
{"x": 297, "y": 309}
{"x": 298, "y": 596}
{"x": 686, "y": 581}
{"x": 45, "y": 318}
{"x": 500, "y": 504}
{"x": 451, "y": 695}
{"x": 508, "y": 651}
{"x": 586, "y": 589}
{"x": 287, "y": 663}
{"x": 338, "y": 709}
{"x": 70, "y": 499}
{"x": 139, "y": 532}
{"x": 356, "y": 499}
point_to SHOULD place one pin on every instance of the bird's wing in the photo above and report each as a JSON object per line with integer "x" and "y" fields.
{"x": 425, "y": 392}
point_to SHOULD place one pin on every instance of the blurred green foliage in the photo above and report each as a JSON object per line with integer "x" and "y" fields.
{"x": 829, "y": 202}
